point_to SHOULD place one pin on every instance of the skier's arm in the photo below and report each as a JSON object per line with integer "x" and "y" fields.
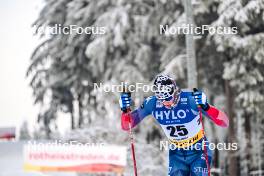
{"x": 135, "y": 116}
{"x": 217, "y": 116}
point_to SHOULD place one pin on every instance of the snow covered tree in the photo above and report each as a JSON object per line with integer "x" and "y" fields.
{"x": 64, "y": 67}
{"x": 24, "y": 132}
{"x": 242, "y": 55}
{"x": 232, "y": 66}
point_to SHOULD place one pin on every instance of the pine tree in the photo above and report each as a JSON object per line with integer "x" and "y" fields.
{"x": 64, "y": 67}
{"x": 243, "y": 67}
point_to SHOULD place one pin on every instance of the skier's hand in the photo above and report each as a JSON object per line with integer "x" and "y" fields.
{"x": 200, "y": 99}
{"x": 125, "y": 101}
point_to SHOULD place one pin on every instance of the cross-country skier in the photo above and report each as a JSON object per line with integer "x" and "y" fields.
{"x": 177, "y": 112}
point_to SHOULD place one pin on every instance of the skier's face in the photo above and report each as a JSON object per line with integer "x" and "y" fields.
{"x": 168, "y": 101}
{"x": 173, "y": 100}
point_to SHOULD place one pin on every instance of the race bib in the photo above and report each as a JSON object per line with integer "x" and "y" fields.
{"x": 186, "y": 134}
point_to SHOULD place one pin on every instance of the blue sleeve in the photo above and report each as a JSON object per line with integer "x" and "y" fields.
{"x": 143, "y": 111}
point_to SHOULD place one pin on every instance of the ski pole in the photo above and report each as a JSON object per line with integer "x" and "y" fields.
{"x": 205, "y": 149}
{"x": 131, "y": 136}
{"x": 132, "y": 147}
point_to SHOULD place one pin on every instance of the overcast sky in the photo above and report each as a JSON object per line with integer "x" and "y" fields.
{"x": 16, "y": 45}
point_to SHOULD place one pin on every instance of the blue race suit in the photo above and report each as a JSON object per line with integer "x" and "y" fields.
{"x": 182, "y": 126}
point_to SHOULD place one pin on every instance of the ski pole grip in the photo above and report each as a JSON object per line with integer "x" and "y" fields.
{"x": 196, "y": 90}
{"x": 125, "y": 90}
